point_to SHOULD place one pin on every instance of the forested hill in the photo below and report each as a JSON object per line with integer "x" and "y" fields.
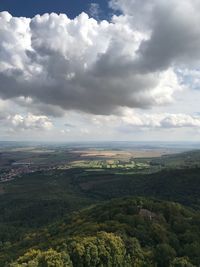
{"x": 180, "y": 185}
{"x": 121, "y": 232}
{"x": 137, "y": 232}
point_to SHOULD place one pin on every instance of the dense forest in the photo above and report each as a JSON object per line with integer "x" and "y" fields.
{"x": 79, "y": 218}
{"x": 122, "y": 232}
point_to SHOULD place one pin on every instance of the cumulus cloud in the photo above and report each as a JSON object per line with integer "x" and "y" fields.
{"x": 152, "y": 121}
{"x": 174, "y": 34}
{"x": 161, "y": 120}
{"x": 29, "y": 122}
{"x": 135, "y": 60}
{"x": 79, "y": 64}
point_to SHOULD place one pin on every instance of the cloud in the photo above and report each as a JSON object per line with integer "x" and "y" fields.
{"x": 69, "y": 125}
{"x": 135, "y": 120}
{"x": 3, "y": 110}
{"x": 174, "y": 34}
{"x": 94, "y": 10}
{"x": 29, "y": 122}
{"x": 79, "y": 64}
{"x": 190, "y": 77}
{"x": 38, "y": 108}
{"x": 64, "y": 132}
{"x": 50, "y": 64}
{"x": 160, "y": 120}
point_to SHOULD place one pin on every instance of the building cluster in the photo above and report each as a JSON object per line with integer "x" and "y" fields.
{"x": 12, "y": 173}
{"x": 19, "y": 169}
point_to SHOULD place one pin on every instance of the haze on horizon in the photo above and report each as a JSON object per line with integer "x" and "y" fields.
{"x": 105, "y": 70}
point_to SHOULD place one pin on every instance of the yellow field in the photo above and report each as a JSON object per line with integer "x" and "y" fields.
{"x": 105, "y": 154}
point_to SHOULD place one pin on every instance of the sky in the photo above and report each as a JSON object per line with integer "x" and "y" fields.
{"x": 100, "y": 70}
{"x": 30, "y": 8}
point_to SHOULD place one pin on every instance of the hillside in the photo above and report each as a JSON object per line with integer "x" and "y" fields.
{"x": 181, "y": 185}
{"x": 123, "y": 232}
{"x": 37, "y": 199}
{"x": 33, "y": 202}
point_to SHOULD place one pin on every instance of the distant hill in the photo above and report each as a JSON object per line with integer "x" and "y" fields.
{"x": 181, "y": 185}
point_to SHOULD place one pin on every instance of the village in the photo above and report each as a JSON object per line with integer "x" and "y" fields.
{"x": 20, "y": 168}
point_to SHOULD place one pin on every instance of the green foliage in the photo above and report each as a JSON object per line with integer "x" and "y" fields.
{"x": 135, "y": 257}
{"x": 164, "y": 254}
{"x": 181, "y": 185}
{"x": 104, "y": 249}
{"x": 181, "y": 262}
{"x": 129, "y": 232}
{"x": 37, "y": 258}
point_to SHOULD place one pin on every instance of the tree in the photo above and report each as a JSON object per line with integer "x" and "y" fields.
{"x": 135, "y": 256}
{"x": 181, "y": 262}
{"x": 164, "y": 254}
{"x": 38, "y": 258}
{"x": 103, "y": 249}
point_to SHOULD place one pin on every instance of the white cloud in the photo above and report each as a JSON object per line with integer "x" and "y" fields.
{"x": 162, "y": 120}
{"x": 174, "y": 34}
{"x": 130, "y": 118}
{"x": 78, "y": 64}
{"x": 94, "y": 10}
{"x": 29, "y": 122}
{"x": 5, "y": 109}
{"x": 104, "y": 74}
